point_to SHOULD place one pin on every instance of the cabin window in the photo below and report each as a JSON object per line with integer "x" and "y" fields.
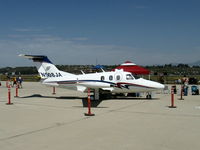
{"x": 110, "y": 77}
{"x": 102, "y": 78}
{"x": 118, "y": 77}
{"x": 129, "y": 77}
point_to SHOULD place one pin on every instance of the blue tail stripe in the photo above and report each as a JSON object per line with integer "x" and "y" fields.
{"x": 39, "y": 58}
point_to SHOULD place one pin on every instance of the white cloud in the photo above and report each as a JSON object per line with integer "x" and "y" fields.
{"x": 71, "y": 51}
{"x": 62, "y": 51}
{"x": 27, "y": 30}
{"x": 80, "y": 39}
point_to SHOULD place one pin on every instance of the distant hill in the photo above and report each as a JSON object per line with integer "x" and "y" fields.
{"x": 197, "y": 63}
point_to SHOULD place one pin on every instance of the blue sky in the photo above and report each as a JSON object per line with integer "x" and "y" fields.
{"x": 146, "y": 32}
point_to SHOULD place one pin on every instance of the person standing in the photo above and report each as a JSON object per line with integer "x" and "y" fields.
{"x": 20, "y": 81}
{"x": 14, "y": 81}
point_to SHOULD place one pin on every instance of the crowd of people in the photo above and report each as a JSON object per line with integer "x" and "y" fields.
{"x": 14, "y": 81}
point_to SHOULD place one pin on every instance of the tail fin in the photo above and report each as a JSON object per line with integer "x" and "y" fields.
{"x": 45, "y": 67}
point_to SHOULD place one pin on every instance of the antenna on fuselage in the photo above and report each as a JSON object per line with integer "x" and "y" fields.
{"x": 102, "y": 70}
{"x": 82, "y": 72}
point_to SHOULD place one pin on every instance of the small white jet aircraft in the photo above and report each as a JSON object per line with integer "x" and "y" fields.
{"x": 117, "y": 81}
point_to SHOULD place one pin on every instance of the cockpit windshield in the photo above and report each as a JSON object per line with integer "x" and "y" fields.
{"x": 129, "y": 77}
{"x": 135, "y": 76}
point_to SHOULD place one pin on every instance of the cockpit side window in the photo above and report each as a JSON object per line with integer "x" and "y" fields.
{"x": 129, "y": 77}
{"x": 135, "y": 76}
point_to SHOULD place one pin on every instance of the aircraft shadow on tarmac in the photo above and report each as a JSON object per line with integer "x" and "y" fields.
{"x": 84, "y": 99}
{"x": 60, "y": 97}
{"x": 94, "y": 103}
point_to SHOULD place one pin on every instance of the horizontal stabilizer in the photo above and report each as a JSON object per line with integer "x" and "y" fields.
{"x": 37, "y": 58}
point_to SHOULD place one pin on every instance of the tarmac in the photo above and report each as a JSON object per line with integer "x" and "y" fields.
{"x": 39, "y": 120}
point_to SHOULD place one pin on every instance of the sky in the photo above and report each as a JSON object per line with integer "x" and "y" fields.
{"x": 107, "y": 32}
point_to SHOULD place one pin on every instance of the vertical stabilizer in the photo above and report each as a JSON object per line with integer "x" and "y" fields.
{"x": 45, "y": 67}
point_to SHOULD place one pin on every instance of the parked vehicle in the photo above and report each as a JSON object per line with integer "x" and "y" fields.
{"x": 195, "y": 90}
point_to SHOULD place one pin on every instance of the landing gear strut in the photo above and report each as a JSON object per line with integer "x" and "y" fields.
{"x": 96, "y": 94}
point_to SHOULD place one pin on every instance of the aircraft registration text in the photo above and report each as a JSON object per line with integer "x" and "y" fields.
{"x": 47, "y": 75}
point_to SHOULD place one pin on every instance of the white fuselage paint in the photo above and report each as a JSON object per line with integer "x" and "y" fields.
{"x": 115, "y": 82}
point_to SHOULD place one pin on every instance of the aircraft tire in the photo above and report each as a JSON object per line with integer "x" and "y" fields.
{"x": 148, "y": 96}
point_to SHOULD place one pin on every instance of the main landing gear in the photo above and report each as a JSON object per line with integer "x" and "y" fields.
{"x": 95, "y": 94}
{"x": 149, "y": 96}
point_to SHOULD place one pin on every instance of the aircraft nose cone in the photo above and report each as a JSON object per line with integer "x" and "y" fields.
{"x": 160, "y": 86}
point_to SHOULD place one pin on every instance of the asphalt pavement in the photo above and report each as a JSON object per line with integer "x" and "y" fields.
{"x": 40, "y": 120}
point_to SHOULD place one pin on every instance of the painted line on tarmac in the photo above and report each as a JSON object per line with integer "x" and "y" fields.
{"x": 162, "y": 114}
{"x": 42, "y": 105}
{"x": 197, "y": 107}
{"x": 56, "y": 125}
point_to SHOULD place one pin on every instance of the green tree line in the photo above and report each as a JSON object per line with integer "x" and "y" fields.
{"x": 168, "y": 69}
{"x": 168, "y": 72}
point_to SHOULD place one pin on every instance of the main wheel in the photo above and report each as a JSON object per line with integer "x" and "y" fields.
{"x": 148, "y": 96}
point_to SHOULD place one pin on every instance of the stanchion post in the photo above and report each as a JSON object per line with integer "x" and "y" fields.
{"x": 16, "y": 91}
{"x": 9, "y": 97}
{"x": 89, "y": 105}
{"x": 7, "y": 84}
{"x": 182, "y": 93}
{"x": 172, "y": 98}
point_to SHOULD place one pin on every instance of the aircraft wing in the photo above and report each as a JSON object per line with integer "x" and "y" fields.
{"x": 108, "y": 89}
{"x": 81, "y": 88}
